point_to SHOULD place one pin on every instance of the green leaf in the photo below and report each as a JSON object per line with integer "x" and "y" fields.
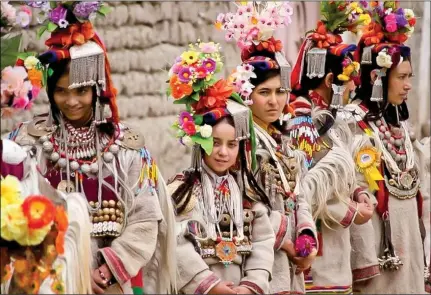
{"x": 50, "y": 72}
{"x": 198, "y": 85}
{"x": 51, "y": 27}
{"x": 104, "y": 10}
{"x": 9, "y": 50}
{"x": 206, "y": 143}
{"x": 195, "y": 96}
{"x": 184, "y": 100}
{"x": 198, "y": 119}
{"x": 212, "y": 81}
{"x": 41, "y": 31}
{"x": 168, "y": 91}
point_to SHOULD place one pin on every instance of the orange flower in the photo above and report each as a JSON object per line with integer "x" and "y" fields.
{"x": 179, "y": 90}
{"x": 61, "y": 219}
{"x": 218, "y": 25}
{"x": 39, "y": 211}
{"x": 324, "y": 39}
{"x": 215, "y": 97}
{"x": 59, "y": 242}
{"x": 373, "y": 34}
{"x": 21, "y": 265}
{"x": 35, "y": 76}
{"x": 272, "y": 45}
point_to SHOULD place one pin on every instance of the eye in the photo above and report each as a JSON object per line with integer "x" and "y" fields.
{"x": 264, "y": 92}
{"x": 233, "y": 145}
{"x": 59, "y": 90}
{"x": 281, "y": 91}
{"x": 216, "y": 143}
{"x": 83, "y": 90}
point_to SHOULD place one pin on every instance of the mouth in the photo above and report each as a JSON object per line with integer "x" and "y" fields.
{"x": 74, "y": 110}
{"x": 272, "y": 111}
{"x": 221, "y": 161}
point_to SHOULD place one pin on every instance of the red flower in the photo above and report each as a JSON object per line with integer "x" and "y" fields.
{"x": 412, "y": 21}
{"x": 271, "y": 45}
{"x": 189, "y": 128}
{"x": 61, "y": 219}
{"x": 179, "y": 90}
{"x": 324, "y": 39}
{"x": 39, "y": 211}
{"x": 215, "y": 97}
{"x": 373, "y": 34}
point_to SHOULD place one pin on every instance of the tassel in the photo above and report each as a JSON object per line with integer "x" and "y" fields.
{"x": 388, "y": 259}
{"x": 337, "y": 96}
{"x": 100, "y": 113}
{"x": 196, "y": 157}
{"x": 377, "y": 93}
{"x": 240, "y": 115}
{"x": 316, "y": 59}
{"x": 367, "y": 56}
{"x": 285, "y": 70}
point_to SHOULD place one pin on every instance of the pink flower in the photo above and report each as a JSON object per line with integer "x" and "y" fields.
{"x": 20, "y": 102}
{"x": 185, "y": 117}
{"x": 209, "y": 47}
{"x": 391, "y": 23}
{"x": 12, "y": 79}
{"x": 189, "y": 128}
{"x": 35, "y": 92}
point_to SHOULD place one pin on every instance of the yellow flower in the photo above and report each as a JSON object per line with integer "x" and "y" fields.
{"x": 10, "y": 191}
{"x": 190, "y": 57}
{"x": 365, "y": 19}
{"x": 343, "y": 77}
{"x": 34, "y": 237}
{"x": 348, "y": 70}
{"x": 355, "y": 8}
{"x": 357, "y": 66}
{"x": 31, "y": 62}
{"x": 13, "y": 222}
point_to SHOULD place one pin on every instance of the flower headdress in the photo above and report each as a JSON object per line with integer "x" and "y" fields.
{"x": 253, "y": 26}
{"x": 337, "y": 17}
{"x": 192, "y": 83}
{"x": 30, "y": 222}
{"x": 391, "y": 26}
{"x": 73, "y": 37}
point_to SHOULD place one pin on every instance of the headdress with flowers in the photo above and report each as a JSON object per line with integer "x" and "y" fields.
{"x": 192, "y": 83}
{"x": 253, "y": 26}
{"x": 390, "y": 28}
{"x": 31, "y": 222}
{"x": 336, "y": 17}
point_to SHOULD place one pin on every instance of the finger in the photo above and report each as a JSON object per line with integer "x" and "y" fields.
{"x": 98, "y": 279}
{"x": 96, "y": 288}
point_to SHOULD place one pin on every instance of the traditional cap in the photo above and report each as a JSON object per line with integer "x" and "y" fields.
{"x": 253, "y": 26}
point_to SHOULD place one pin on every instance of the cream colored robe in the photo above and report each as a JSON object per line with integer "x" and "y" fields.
{"x": 199, "y": 275}
{"x": 406, "y": 238}
{"x": 284, "y": 279}
{"x": 147, "y": 239}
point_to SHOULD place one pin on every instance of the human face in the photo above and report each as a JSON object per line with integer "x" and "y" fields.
{"x": 75, "y": 104}
{"x": 268, "y": 100}
{"x": 399, "y": 83}
{"x": 225, "y": 151}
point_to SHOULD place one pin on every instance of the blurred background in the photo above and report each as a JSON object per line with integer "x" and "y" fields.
{"x": 143, "y": 39}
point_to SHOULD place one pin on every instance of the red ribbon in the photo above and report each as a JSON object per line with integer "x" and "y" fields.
{"x": 324, "y": 39}
{"x": 74, "y": 34}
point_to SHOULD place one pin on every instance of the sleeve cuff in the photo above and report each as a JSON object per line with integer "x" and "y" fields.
{"x": 350, "y": 215}
{"x": 366, "y": 273}
{"x": 115, "y": 265}
{"x": 252, "y": 286}
{"x": 282, "y": 230}
{"x": 207, "y": 284}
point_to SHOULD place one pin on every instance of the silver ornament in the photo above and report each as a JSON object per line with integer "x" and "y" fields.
{"x": 74, "y": 165}
{"x": 62, "y": 163}
{"x": 393, "y": 154}
{"x": 85, "y": 168}
{"x": 379, "y": 123}
{"x": 397, "y": 158}
{"x": 44, "y": 138}
{"x": 47, "y": 146}
{"x": 94, "y": 168}
{"x": 403, "y": 158}
{"x": 114, "y": 149}
{"x": 55, "y": 156}
{"x": 381, "y": 135}
{"x": 392, "y": 140}
{"x": 389, "y": 146}
{"x": 398, "y": 142}
{"x": 387, "y": 134}
{"x": 108, "y": 157}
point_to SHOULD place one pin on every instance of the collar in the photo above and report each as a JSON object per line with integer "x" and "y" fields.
{"x": 215, "y": 179}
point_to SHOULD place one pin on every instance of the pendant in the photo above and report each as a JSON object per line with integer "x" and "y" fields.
{"x": 226, "y": 251}
{"x": 66, "y": 186}
{"x": 406, "y": 180}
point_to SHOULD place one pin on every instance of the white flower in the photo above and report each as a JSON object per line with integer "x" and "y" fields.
{"x": 8, "y": 11}
{"x": 206, "y": 131}
{"x": 23, "y": 19}
{"x": 63, "y": 23}
{"x": 30, "y": 62}
{"x": 187, "y": 141}
{"x": 409, "y": 13}
{"x": 388, "y": 11}
{"x": 244, "y": 72}
{"x": 384, "y": 60}
{"x": 410, "y": 31}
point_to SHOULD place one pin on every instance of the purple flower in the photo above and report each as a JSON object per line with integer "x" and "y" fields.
{"x": 185, "y": 117}
{"x": 176, "y": 68}
{"x": 185, "y": 75}
{"x": 401, "y": 20}
{"x": 364, "y": 3}
{"x": 304, "y": 245}
{"x": 36, "y": 4}
{"x": 84, "y": 9}
{"x": 57, "y": 14}
{"x": 209, "y": 64}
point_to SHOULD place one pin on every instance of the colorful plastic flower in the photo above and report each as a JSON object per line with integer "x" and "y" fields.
{"x": 206, "y": 131}
{"x": 178, "y": 89}
{"x": 201, "y": 72}
{"x": 409, "y": 13}
{"x": 61, "y": 219}
{"x": 209, "y": 64}
{"x": 391, "y": 23}
{"x": 187, "y": 141}
{"x": 185, "y": 117}
{"x": 185, "y": 75}
{"x": 384, "y": 60}
{"x": 57, "y": 14}
{"x": 190, "y": 57}
{"x": 214, "y": 97}
{"x": 35, "y": 76}
{"x": 84, "y": 9}
{"x": 39, "y": 210}
{"x": 34, "y": 237}
{"x": 189, "y": 128}
{"x": 13, "y": 222}
{"x": 365, "y": 19}
{"x": 12, "y": 79}
{"x": 23, "y": 16}
{"x": 304, "y": 245}
{"x": 31, "y": 62}
{"x": 59, "y": 242}
{"x": 20, "y": 102}
{"x": 209, "y": 47}
{"x": 10, "y": 191}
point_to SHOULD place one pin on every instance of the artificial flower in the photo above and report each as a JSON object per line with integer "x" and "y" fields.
{"x": 214, "y": 97}
{"x": 354, "y": 6}
{"x": 189, "y": 128}
{"x": 391, "y": 23}
{"x": 185, "y": 117}
{"x": 61, "y": 219}
{"x": 412, "y": 22}
{"x": 365, "y": 19}
{"x": 185, "y": 75}
{"x": 63, "y": 23}
{"x": 384, "y": 60}
{"x": 12, "y": 79}
{"x": 59, "y": 242}
{"x": 190, "y": 57}
{"x": 34, "y": 237}
{"x": 409, "y": 13}
{"x": 20, "y": 102}
{"x": 8, "y": 12}
{"x": 23, "y": 17}
{"x": 304, "y": 245}
{"x": 187, "y": 141}
{"x": 201, "y": 72}
{"x": 13, "y": 222}
{"x": 10, "y": 191}
{"x": 209, "y": 64}
{"x": 84, "y": 9}
{"x": 39, "y": 210}
{"x": 209, "y": 47}
{"x": 179, "y": 90}
{"x": 57, "y": 14}
{"x": 31, "y": 62}
{"x": 205, "y": 131}
{"x": 35, "y": 76}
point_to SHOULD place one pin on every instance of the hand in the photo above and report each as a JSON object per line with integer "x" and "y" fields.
{"x": 363, "y": 198}
{"x": 289, "y": 248}
{"x": 242, "y": 290}
{"x": 100, "y": 282}
{"x": 304, "y": 263}
{"x": 223, "y": 287}
{"x": 365, "y": 212}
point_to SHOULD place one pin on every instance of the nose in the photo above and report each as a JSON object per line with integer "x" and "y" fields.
{"x": 223, "y": 151}
{"x": 272, "y": 99}
{"x": 408, "y": 85}
{"x": 71, "y": 101}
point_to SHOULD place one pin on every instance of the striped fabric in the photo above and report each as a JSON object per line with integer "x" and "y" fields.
{"x": 312, "y": 289}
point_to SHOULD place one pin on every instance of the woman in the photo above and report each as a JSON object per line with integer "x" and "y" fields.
{"x": 379, "y": 110}
{"x": 79, "y": 150}
{"x": 225, "y": 240}
{"x": 338, "y": 195}
{"x": 263, "y": 84}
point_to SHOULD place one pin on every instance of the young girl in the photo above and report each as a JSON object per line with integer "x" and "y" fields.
{"x": 379, "y": 116}
{"x": 79, "y": 150}
{"x": 225, "y": 239}
{"x": 262, "y": 80}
